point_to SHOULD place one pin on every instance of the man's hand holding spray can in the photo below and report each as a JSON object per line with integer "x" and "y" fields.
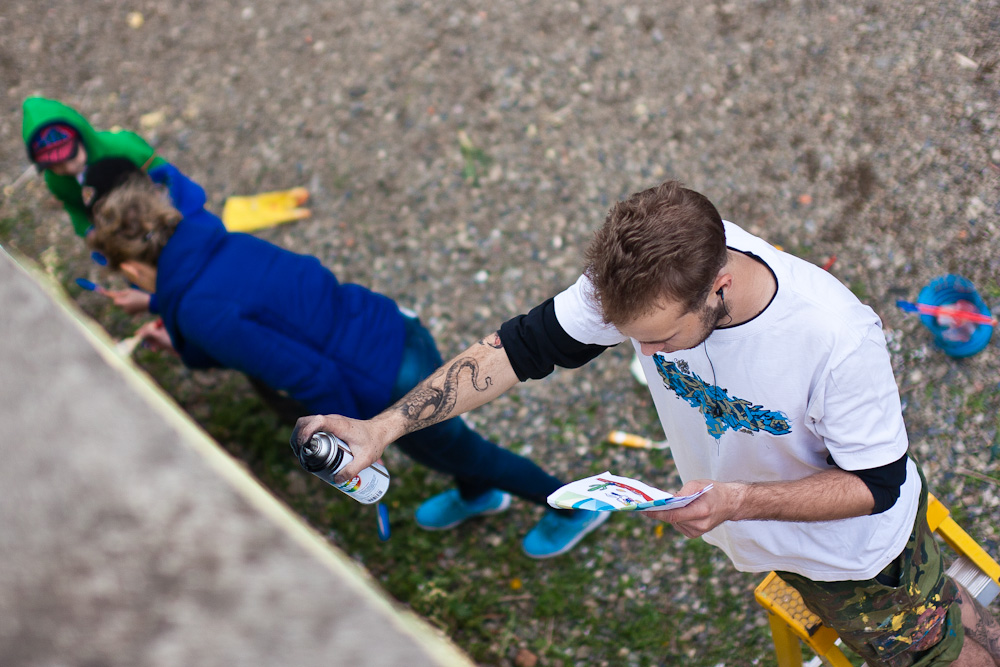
{"x": 324, "y": 455}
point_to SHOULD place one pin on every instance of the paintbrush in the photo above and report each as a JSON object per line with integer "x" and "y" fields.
{"x": 637, "y": 441}
{"x": 947, "y": 311}
{"x": 90, "y": 286}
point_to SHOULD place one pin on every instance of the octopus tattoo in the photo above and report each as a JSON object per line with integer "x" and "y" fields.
{"x": 440, "y": 402}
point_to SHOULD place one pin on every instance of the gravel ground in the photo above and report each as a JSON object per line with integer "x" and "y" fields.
{"x": 861, "y": 129}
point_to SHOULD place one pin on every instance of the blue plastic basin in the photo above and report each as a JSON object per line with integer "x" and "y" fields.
{"x": 945, "y": 291}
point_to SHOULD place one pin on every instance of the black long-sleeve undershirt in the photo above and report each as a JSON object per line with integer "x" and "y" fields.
{"x": 884, "y": 482}
{"x": 536, "y": 343}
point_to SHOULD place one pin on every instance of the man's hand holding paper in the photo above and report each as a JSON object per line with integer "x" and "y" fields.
{"x": 611, "y": 493}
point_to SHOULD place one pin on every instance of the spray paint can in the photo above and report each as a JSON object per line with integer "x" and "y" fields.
{"x": 325, "y": 455}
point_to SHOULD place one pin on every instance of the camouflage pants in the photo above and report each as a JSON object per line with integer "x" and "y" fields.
{"x": 906, "y": 616}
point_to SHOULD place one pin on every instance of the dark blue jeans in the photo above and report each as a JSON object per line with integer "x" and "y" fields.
{"x": 452, "y": 447}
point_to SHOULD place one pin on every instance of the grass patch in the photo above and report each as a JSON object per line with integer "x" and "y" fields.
{"x": 860, "y": 290}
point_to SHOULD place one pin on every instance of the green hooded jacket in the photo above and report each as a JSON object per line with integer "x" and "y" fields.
{"x": 39, "y": 112}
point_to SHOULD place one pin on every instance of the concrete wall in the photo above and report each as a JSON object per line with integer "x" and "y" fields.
{"x": 128, "y": 537}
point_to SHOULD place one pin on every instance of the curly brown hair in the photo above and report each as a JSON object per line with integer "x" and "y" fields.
{"x": 134, "y": 221}
{"x": 662, "y": 244}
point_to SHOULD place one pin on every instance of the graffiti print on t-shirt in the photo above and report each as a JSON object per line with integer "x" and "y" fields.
{"x": 720, "y": 410}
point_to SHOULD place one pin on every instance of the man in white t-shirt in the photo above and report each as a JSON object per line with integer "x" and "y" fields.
{"x": 772, "y": 382}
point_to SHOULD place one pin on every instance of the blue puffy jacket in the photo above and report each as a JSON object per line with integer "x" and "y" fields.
{"x": 235, "y": 301}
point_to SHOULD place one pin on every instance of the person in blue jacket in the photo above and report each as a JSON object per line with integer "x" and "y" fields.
{"x": 187, "y": 197}
{"x": 232, "y": 300}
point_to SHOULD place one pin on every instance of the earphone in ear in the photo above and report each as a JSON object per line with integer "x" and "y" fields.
{"x": 719, "y": 292}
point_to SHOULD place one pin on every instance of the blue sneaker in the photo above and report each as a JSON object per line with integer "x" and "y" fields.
{"x": 447, "y": 510}
{"x": 558, "y": 532}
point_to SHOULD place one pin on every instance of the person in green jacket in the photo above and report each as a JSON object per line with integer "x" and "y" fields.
{"x": 61, "y": 143}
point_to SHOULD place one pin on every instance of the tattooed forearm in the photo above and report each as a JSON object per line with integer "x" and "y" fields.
{"x": 493, "y": 340}
{"x": 427, "y": 404}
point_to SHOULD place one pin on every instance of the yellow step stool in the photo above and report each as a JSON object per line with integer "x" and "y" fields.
{"x": 793, "y": 624}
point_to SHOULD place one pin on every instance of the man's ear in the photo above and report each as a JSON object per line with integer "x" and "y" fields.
{"x": 723, "y": 281}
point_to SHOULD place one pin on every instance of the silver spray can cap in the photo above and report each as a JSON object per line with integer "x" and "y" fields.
{"x": 321, "y": 453}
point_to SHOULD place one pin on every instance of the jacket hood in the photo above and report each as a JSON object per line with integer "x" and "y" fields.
{"x": 40, "y": 111}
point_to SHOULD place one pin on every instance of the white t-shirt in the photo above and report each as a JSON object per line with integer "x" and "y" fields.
{"x": 808, "y": 377}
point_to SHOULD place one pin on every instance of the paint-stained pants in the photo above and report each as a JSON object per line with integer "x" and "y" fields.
{"x": 907, "y": 616}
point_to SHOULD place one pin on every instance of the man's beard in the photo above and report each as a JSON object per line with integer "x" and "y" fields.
{"x": 710, "y": 318}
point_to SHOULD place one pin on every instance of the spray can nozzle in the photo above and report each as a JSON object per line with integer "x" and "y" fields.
{"x": 321, "y": 451}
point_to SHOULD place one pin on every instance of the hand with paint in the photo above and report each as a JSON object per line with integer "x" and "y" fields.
{"x": 132, "y": 301}
{"x": 156, "y": 337}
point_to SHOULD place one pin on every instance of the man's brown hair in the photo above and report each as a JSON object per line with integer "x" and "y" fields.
{"x": 133, "y": 222}
{"x": 662, "y": 244}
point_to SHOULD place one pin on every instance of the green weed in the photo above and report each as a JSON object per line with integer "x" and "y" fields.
{"x": 860, "y": 290}
{"x": 473, "y": 158}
